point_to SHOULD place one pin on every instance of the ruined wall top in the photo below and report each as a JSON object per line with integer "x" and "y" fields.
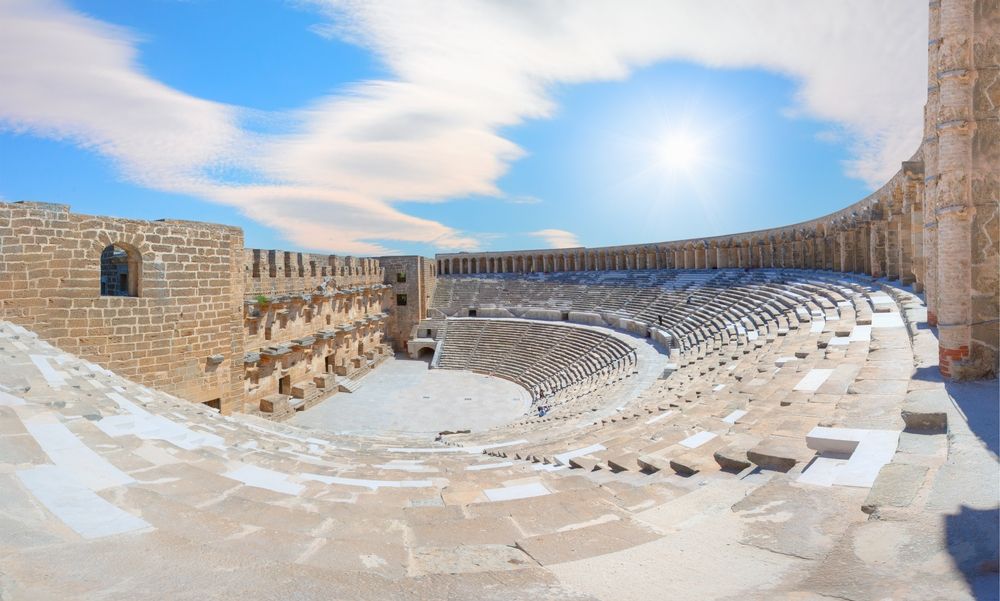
{"x": 277, "y": 272}
{"x": 879, "y": 205}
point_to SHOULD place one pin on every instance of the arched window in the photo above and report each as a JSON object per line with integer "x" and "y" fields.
{"x": 121, "y": 271}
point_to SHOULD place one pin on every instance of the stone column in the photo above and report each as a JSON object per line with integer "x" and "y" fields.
{"x": 954, "y": 207}
{"x": 863, "y": 254}
{"x": 892, "y": 241}
{"x": 876, "y": 250}
{"x": 849, "y": 249}
{"x": 913, "y": 208}
{"x": 985, "y": 193}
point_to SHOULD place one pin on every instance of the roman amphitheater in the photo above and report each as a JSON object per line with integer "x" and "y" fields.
{"x": 807, "y": 412}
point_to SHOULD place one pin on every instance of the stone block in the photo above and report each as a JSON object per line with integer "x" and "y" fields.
{"x": 779, "y": 454}
{"x": 926, "y": 410}
{"x": 896, "y": 485}
{"x": 733, "y": 456}
{"x": 690, "y": 463}
{"x": 587, "y": 463}
{"x": 627, "y": 462}
{"x": 275, "y": 403}
{"x": 654, "y": 462}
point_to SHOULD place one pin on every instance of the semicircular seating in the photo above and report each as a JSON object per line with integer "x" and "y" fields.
{"x": 544, "y": 358}
{"x": 105, "y": 480}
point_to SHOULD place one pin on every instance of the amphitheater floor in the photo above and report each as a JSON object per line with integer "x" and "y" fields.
{"x": 403, "y": 396}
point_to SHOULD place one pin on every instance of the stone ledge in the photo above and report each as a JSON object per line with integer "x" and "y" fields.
{"x": 926, "y": 410}
{"x": 896, "y": 486}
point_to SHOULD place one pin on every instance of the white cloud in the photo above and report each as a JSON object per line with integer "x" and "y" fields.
{"x": 557, "y": 238}
{"x": 66, "y": 76}
{"x": 462, "y": 71}
{"x": 522, "y": 199}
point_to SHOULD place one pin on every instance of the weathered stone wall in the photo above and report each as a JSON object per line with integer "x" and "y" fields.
{"x": 181, "y": 334}
{"x": 195, "y": 328}
{"x": 321, "y": 314}
{"x": 336, "y": 332}
{"x": 933, "y": 225}
{"x": 274, "y": 273}
{"x": 413, "y": 277}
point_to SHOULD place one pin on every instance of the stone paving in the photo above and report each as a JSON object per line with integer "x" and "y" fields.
{"x": 407, "y": 398}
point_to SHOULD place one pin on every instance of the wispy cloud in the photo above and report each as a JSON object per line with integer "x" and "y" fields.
{"x": 522, "y": 199}
{"x": 557, "y": 238}
{"x": 461, "y": 73}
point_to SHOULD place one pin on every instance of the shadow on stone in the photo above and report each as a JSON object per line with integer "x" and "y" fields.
{"x": 979, "y": 402}
{"x": 972, "y": 542}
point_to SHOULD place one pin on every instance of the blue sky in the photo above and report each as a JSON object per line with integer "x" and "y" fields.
{"x": 380, "y": 129}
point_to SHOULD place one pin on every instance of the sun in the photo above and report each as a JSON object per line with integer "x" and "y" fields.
{"x": 680, "y": 151}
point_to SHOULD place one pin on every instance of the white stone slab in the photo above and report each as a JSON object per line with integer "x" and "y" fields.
{"x": 881, "y": 298}
{"x": 781, "y": 361}
{"x": 148, "y": 426}
{"x": 718, "y": 387}
{"x": 813, "y": 380}
{"x": 406, "y": 465}
{"x": 563, "y": 458}
{"x": 816, "y": 327}
{"x": 97, "y": 369}
{"x": 822, "y": 471}
{"x": 261, "y": 477}
{"x": 855, "y": 455}
{"x": 488, "y": 466}
{"x": 71, "y": 455}
{"x": 476, "y": 450}
{"x": 52, "y": 376}
{"x": 547, "y": 467}
{"x": 521, "y": 491}
{"x": 10, "y": 400}
{"x": 693, "y": 442}
{"x": 887, "y": 320}
{"x": 370, "y": 484}
{"x": 21, "y": 331}
{"x": 735, "y": 415}
{"x": 95, "y": 384}
{"x": 659, "y": 417}
{"x": 861, "y": 334}
{"x": 77, "y": 506}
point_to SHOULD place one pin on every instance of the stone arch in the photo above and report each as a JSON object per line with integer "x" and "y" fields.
{"x": 131, "y": 250}
{"x": 121, "y": 270}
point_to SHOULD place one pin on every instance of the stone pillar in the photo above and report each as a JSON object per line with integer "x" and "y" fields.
{"x": 985, "y": 192}
{"x": 913, "y": 208}
{"x": 850, "y": 249}
{"x": 892, "y": 241}
{"x": 954, "y": 207}
{"x": 876, "y": 250}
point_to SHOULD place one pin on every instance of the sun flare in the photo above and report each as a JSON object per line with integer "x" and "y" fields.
{"x": 680, "y": 151}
